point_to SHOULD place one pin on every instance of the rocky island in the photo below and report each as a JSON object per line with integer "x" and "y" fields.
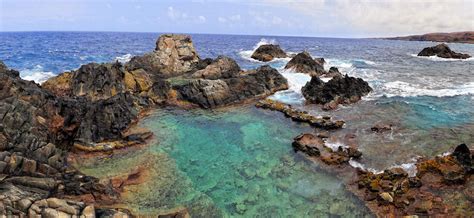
{"x": 442, "y": 51}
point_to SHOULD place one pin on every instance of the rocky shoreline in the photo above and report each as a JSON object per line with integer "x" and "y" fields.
{"x": 94, "y": 110}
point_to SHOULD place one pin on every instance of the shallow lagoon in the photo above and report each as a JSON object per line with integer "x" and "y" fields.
{"x": 234, "y": 162}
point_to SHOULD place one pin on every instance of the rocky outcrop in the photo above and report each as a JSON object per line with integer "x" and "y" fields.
{"x": 221, "y": 68}
{"x": 338, "y": 90}
{"x": 304, "y": 63}
{"x": 36, "y": 130}
{"x": 251, "y": 84}
{"x": 442, "y": 51}
{"x": 97, "y": 82}
{"x": 174, "y": 55}
{"x": 267, "y": 53}
{"x": 315, "y": 146}
{"x": 333, "y": 72}
{"x": 456, "y": 37}
{"x": 300, "y": 116}
{"x": 393, "y": 192}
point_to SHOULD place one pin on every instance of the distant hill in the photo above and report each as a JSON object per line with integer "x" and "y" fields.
{"x": 459, "y": 37}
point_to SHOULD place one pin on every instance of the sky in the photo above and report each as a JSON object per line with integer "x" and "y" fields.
{"x": 323, "y": 18}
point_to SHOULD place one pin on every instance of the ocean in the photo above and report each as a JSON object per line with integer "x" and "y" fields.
{"x": 239, "y": 161}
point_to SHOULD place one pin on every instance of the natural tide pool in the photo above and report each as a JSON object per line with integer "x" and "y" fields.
{"x": 233, "y": 162}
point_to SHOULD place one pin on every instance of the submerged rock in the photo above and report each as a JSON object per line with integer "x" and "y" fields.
{"x": 339, "y": 90}
{"x": 304, "y": 63}
{"x": 267, "y": 53}
{"x": 442, "y": 51}
{"x": 300, "y": 116}
{"x": 315, "y": 146}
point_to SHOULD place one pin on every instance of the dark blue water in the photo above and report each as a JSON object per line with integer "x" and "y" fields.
{"x": 427, "y": 98}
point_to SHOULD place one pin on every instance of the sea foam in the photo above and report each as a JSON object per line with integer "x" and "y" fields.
{"x": 124, "y": 58}
{"x": 37, "y": 74}
{"x": 404, "y": 89}
{"x": 436, "y": 58}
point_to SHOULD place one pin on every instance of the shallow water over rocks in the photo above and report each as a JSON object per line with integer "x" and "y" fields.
{"x": 233, "y": 162}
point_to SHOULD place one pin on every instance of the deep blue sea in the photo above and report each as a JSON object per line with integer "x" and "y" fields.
{"x": 429, "y": 101}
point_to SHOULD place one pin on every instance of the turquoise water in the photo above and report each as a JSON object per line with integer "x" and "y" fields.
{"x": 236, "y": 162}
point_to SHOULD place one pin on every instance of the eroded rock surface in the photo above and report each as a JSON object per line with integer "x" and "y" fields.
{"x": 304, "y": 63}
{"x": 209, "y": 93}
{"x": 338, "y": 90}
{"x": 267, "y": 53}
{"x": 174, "y": 55}
{"x": 36, "y": 132}
{"x": 442, "y": 51}
{"x": 300, "y": 116}
{"x": 440, "y": 187}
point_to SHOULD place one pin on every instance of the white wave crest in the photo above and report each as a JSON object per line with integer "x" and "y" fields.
{"x": 295, "y": 82}
{"x": 404, "y": 89}
{"x": 37, "y": 74}
{"x": 247, "y": 54}
{"x": 335, "y": 145}
{"x": 124, "y": 58}
{"x": 436, "y": 58}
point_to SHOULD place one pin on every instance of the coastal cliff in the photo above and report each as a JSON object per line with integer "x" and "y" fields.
{"x": 457, "y": 37}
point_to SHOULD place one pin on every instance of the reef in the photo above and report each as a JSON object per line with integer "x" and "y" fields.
{"x": 269, "y": 52}
{"x": 300, "y": 116}
{"x": 338, "y": 90}
{"x": 442, "y": 51}
{"x": 393, "y": 192}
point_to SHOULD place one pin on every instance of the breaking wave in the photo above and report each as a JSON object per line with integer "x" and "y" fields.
{"x": 37, "y": 74}
{"x": 295, "y": 82}
{"x": 404, "y": 89}
{"x": 124, "y": 58}
{"x": 247, "y": 54}
{"x": 436, "y": 58}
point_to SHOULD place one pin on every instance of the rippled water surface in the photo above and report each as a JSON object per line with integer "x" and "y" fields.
{"x": 235, "y": 162}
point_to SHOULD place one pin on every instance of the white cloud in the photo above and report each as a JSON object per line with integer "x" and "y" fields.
{"x": 221, "y": 19}
{"x": 201, "y": 19}
{"x": 179, "y": 16}
{"x": 383, "y": 17}
{"x": 235, "y": 18}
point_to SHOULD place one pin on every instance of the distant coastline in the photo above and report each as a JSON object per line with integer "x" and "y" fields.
{"x": 456, "y": 37}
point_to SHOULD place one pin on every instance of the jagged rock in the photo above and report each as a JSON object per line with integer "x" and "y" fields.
{"x": 333, "y": 72}
{"x": 221, "y": 68}
{"x": 339, "y": 90}
{"x": 300, "y": 116}
{"x": 320, "y": 61}
{"x": 59, "y": 85}
{"x": 251, "y": 84}
{"x": 267, "y": 53}
{"x": 304, "y": 63}
{"x": 174, "y": 55}
{"x": 442, "y": 51}
{"x": 464, "y": 156}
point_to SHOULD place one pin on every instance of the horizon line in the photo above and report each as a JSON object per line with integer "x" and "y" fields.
{"x": 190, "y": 33}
